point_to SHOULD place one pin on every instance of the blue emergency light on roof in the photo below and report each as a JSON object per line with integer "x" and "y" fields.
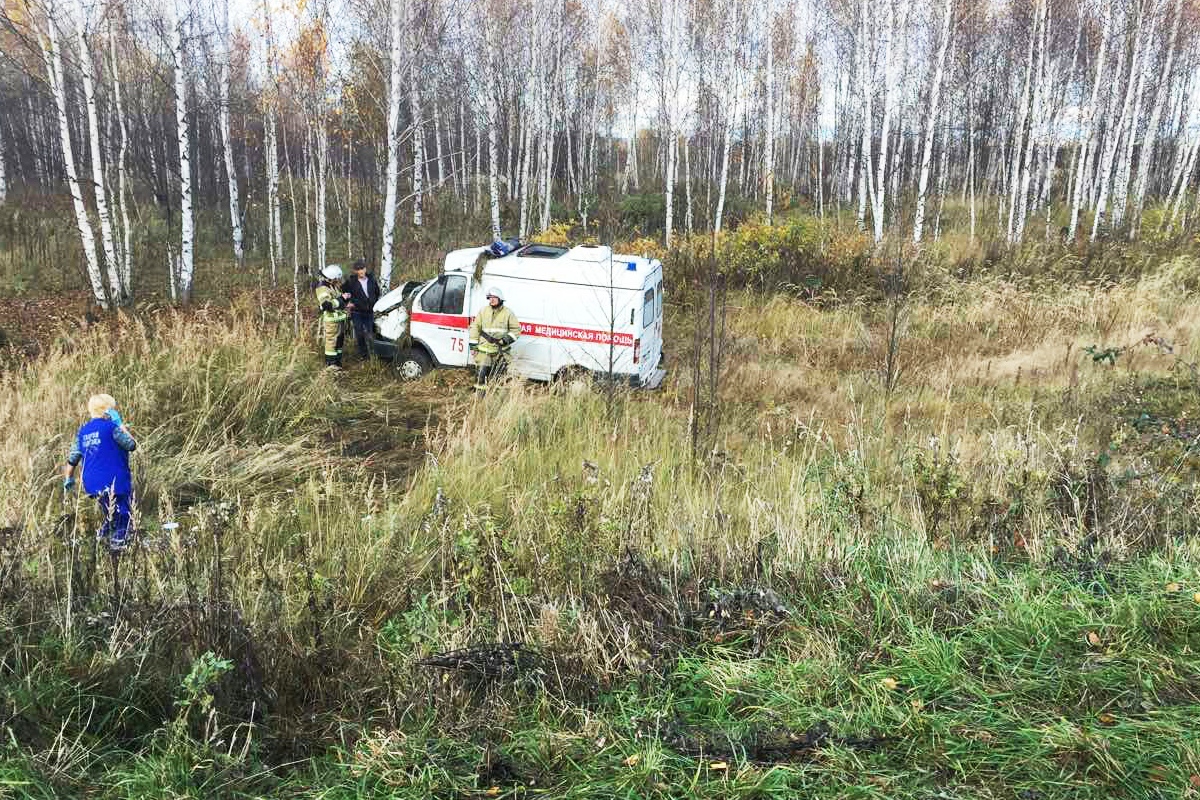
{"x": 632, "y": 266}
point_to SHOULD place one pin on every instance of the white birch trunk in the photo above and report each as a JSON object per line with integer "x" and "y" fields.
{"x": 1036, "y": 126}
{"x": 462, "y": 170}
{"x": 274, "y": 217}
{"x": 1151, "y": 136}
{"x": 349, "y": 198}
{"x": 1185, "y": 175}
{"x": 1105, "y": 174}
{"x": 1018, "y": 138}
{"x": 672, "y": 150}
{"x": 86, "y": 67}
{"x": 1125, "y": 164}
{"x": 52, "y": 56}
{"x": 526, "y": 147}
{"x": 477, "y": 197}
{"x": 630, "y": 175}
{"x": 488, "y": 103}
{"x": 187, "y": 225}
{"x": 687, "y": 183}
{"x": 235, "y": 214}
{"x": 1079, "y": 192}
{"x": 724, "y": 179}
{"x": 891, "y": 81}
{"x": 493, "y": 170}
{"x": 547, "y": 175}
{"x": 935, "y": 96}
{"x": 3, "y": 179}
{"x": 866, "y": 91}
{"x": 943, "y": 174}
{"x": 971, "y": 158}
{"x": 393, "y": 149}
{"x": 437, "y": 142}
{"x": 125, "y": 258}
{"x": 418, "y": 144}
{"x": 769, "y": 149}
{"x": 321, "y": 144}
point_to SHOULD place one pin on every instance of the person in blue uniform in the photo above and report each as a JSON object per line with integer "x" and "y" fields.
{"x": 101, "y": 453}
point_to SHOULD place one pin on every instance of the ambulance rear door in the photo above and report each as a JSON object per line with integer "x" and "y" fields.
{"x": 648, "y": 341}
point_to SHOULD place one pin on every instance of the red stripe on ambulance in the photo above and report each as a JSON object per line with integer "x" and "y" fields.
{"x": 445, "y": 320}
{"x": 583, "y": 335}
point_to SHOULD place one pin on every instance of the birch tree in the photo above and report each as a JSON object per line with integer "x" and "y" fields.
{"x": 235, "y": 215}
{"x": 487, "y": 101}
{"x": 125, "y": 257}
{"x": 1150, "y": 140}
{"x": 1105, "y": 173}
{"x": 393, "y": 146}
{"x": 769, "y": 148}
{"x": 86, "y": 69}
{"x": 3, "y": 179}
{"x": 418, "y": 145}
{"x": 865, "y": 47}
{"x": 184, "y": 272}
{"x": 52, "y": 56}
{"x": 271, "y": 151}
{"x": 1016, "y": 160}
{"x": 935, "y": 96}
{"x": 890, "y": 94}
{"x": 1089, "y": 127}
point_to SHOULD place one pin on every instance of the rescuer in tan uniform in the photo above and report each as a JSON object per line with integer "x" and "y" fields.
{"x": 492, "y": 333}
{"x": 333, "y": 314}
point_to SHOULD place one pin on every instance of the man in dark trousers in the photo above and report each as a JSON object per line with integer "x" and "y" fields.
{"x": 360, "y": 291}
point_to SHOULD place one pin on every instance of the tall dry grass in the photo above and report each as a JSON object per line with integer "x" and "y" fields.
{"x": 578, "y": 520}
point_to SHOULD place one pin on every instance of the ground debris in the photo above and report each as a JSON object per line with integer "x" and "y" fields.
{"x": 637, "y": 591}
{"x": 1086, "y": 566}
{"x": 761, "y": 746}
{"x": 742, "y": 604}
{"x": 496, "y": 660}
{"x": 746, "y": 614}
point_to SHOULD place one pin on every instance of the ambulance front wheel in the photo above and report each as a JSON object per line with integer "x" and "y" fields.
{"x": 412, "y": 363}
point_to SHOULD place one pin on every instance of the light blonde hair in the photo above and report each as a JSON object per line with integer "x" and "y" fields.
{"x": 99, "y": 404}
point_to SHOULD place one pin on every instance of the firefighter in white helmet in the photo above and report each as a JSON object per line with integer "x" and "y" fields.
{"x": 333, "y": 314}
{"x": 492, "y": 333}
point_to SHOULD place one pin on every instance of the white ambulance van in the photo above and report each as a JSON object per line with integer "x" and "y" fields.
{"x": 582, "y": 310}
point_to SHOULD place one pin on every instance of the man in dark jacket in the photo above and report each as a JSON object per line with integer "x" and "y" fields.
{"x": 360, "y": 291}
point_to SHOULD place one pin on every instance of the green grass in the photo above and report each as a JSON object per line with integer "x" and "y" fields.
{"x": 990, "y": 575}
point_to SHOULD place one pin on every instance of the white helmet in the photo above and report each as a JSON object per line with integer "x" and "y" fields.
{"x": 492, "y": 291}
{"x": 332, "y": 273}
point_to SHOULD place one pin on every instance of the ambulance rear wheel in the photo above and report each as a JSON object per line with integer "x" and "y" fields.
{"x": 412, "y": 363}
{"x": 574, "y": 376}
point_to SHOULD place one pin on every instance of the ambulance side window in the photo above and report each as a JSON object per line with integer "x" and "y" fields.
{"x": 431, "y": 301}
{"x": 659, "y": 302}
{"x": 446, "y": 295}
{"x": 648, "y": 308}
{"x": 455, "y": 293}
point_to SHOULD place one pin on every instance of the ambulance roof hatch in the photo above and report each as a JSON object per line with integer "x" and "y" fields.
{"x": 542, "y": 251}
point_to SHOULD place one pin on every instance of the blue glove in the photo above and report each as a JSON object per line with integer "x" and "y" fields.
{"x": 115, "y": 416}
{"x": 68, "y": 483}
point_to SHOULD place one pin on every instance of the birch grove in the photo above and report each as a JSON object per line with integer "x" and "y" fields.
{"x": 293, "y": 132}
